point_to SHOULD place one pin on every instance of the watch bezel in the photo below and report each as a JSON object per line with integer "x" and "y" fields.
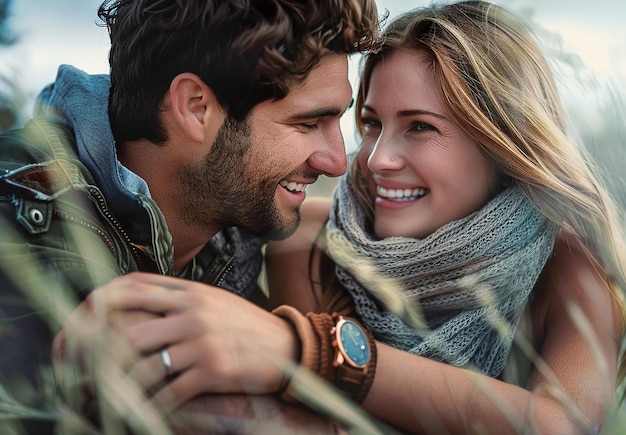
{"x": 339, "y": 325}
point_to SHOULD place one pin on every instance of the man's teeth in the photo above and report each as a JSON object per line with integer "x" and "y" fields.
{"x": 293, "y": 186}
{"x": 400, "y": 194}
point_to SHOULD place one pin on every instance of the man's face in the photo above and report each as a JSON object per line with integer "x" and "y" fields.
{"x": 256, "y": 172}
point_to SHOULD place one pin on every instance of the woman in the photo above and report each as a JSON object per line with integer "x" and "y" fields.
{"x": 464, "y": 175}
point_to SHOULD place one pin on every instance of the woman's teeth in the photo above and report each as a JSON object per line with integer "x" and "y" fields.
{"x": 400, "y": 194}
{"x": 293, "y": 186}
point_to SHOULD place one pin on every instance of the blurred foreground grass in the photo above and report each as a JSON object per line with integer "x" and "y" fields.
{"x": 602, "y": 128}
{"x": 120, "y": 404}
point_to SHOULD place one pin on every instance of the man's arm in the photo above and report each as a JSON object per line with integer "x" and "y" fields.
{"x": 242, "y": 414}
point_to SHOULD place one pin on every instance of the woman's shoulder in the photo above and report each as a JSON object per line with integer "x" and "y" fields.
{"x": 571, "y": 281}
{"x": 574, "y": 267}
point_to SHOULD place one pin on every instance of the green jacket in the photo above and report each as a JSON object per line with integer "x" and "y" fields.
{"x": 60, "y": 239}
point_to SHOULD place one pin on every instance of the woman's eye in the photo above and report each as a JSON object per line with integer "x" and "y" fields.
{"x": 421, "y": 126}
{"x": 369, "y": 124}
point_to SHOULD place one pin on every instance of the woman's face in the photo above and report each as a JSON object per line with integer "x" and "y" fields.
{"x": 422, "y": 170}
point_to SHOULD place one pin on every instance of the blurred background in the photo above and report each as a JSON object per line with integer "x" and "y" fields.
{"x": 583, "y": 40}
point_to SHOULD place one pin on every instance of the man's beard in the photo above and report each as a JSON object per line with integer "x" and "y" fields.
{"x": 229, "y": 188}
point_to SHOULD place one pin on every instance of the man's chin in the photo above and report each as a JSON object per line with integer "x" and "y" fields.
{"x": 282, "y": 230}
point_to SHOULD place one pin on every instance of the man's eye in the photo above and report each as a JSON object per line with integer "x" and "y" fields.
{"x": 309, "y": 126}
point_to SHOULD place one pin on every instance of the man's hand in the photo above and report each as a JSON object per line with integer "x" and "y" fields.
{"x": 218, "y": 342}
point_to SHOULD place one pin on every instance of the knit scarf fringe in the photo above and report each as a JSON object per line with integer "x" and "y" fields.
{"x": 455, "y": 296}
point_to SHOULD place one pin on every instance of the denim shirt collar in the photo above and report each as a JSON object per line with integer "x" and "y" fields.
{"x": 80, "y": 101}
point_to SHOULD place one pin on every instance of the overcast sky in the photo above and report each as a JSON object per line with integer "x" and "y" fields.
{"x": 65, "y": 31}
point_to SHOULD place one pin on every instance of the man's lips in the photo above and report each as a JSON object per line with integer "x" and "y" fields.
{"x": 292, "y": 186}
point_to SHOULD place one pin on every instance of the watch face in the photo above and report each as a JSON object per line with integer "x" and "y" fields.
{"x": 354, "y": 343}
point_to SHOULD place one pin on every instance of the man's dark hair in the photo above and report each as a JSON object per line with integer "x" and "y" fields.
{"x": 246, "y": 51}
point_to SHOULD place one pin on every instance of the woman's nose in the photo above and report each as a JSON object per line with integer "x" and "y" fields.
{"x": 385, "y": 155}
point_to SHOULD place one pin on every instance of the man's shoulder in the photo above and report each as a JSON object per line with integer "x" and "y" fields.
{"x": 38, "y": 141}
{"x": 49, "y": 218}
{"x": 41, "y": 149}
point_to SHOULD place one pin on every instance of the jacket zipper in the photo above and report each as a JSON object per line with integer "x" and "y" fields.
{"x": 101, "y": 204}
{"x": 107, "y": 214}
{"x": 225, "y": 271}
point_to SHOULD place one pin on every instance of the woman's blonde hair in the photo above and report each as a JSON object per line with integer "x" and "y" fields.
{"x": 498, "y": 86}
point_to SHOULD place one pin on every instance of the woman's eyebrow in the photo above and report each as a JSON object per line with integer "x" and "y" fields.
{"x": 412, "y": 112}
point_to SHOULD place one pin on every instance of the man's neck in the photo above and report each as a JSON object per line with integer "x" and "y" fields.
{"x": 142, "y": 157}
{"x": 187, "y": 244}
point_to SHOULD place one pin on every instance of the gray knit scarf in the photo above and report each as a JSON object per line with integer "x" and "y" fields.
{"x": 455, "y": 296}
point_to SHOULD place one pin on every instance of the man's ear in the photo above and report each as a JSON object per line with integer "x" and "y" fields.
{"x": 193, "y": 105}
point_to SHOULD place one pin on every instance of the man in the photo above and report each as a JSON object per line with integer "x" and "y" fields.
{"x": 221, "y": 113}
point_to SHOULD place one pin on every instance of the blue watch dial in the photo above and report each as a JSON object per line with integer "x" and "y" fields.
{"x": 354, "y": 343}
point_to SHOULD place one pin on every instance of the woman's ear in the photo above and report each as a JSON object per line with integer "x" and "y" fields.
{"x": 194, "y": 106}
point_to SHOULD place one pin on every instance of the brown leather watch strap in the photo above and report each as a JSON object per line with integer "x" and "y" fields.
{"x": 360, "y": 396}
{"x": 318, "y": 353}
{"x": 355, "y": 382}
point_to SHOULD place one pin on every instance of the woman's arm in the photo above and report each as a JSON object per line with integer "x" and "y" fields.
{"x": 579, "y": 331}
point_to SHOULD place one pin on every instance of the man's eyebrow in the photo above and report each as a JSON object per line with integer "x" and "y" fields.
{"x": 322, "y": 113}
{"x": 328, "y": 112}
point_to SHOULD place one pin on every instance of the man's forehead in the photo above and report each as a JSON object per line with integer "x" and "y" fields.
{"x": 326, "y": 85}
{"x": 330, "y": 71}
{"x": 326, "y": 91}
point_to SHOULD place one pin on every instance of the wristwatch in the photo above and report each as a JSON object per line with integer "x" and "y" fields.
{"x": 353, "y": 353}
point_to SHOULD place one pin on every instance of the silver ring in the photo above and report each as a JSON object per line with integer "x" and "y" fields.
{"x": 167, "y": 361}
